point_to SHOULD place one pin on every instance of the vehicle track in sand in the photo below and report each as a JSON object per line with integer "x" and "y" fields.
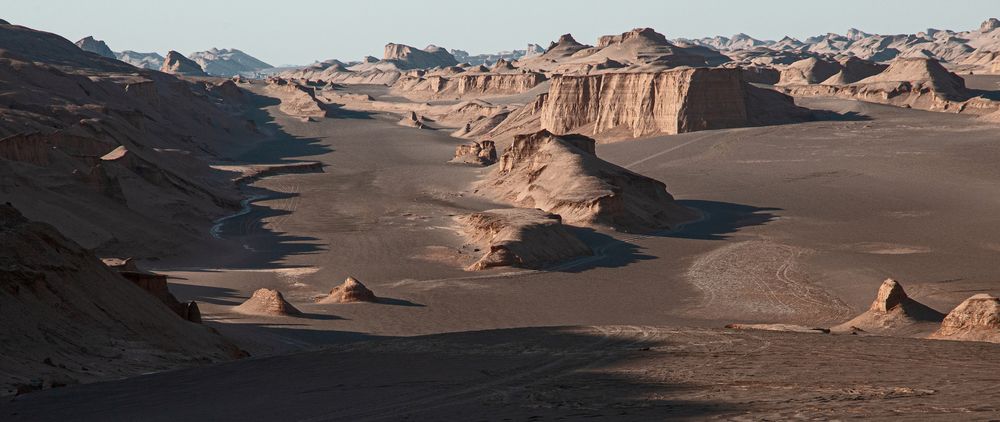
{"x": 757, "y": 279}
{"x": 611, "y": 342}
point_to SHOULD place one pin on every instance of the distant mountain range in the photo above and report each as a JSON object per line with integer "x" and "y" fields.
{"x": 215, "y": 62}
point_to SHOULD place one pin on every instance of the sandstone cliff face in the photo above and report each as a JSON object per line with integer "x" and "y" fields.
{"x": 467, "y": 85}
{"x": 521, "y": 237}
{"x": 562, "y": 175}
{"x": 175, "y": 63}
{"x": 668, "y": 102}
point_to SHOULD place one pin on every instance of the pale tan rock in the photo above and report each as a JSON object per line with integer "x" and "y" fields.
{"x": 919, "y": 83}
{"x": 975, "y": 319}
{"x": 267, "y": 302}
{"x": 809, "y": 71}
{"x": 562, "y": 175}
{"x": 175, "y": 63}
{"x": 467, "y": 85}
{"x": 296, "y": 99}
{"x": 892, "y": 312}
{"x": 350, "y": 291}
{"x": 623, "y": 105}
{"x": 521, "y": 237}
{"x": 413, "y": 120}
{"x": 482, "y": 153}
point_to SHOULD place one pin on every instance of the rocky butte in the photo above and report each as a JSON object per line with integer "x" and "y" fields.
{"x": 617, "y": 105}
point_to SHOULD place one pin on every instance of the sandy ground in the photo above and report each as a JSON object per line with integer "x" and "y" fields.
{"x": 803, "y": 223}
{"x": 593, "y": 373}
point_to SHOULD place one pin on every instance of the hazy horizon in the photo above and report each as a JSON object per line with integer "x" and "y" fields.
{"x": 311, "y": 30}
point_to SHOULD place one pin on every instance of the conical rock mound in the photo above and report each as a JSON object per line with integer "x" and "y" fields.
{"x": 892, "y": 312}
{"x": 350, "y": 292}
{"x": 267, "y": 302}
{"x": 975, "y": 319}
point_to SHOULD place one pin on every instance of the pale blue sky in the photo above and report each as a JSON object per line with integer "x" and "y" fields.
{"x": 299, "y": 32}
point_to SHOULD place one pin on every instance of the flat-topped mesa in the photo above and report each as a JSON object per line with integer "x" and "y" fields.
{"x": 521, "y": 237}
{"x": 893, "y": 312}
{"x": 267, "y": 302}
{"x": 407, "y": 57}
{"x": 646, "y": 35}
{"x": 562, "y": 175}
{"x": 975, "y": 319}
{"x": 95, "y": 46}
{"x": 175, "y": 63}
{"x": 621, "y": 105}
{"x": 350, "y": 291}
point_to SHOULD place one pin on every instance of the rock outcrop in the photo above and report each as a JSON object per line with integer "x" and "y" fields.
{"x": 481, "y": 153}
{"x": 467, "y": 85}
{"x": 975, "y": 319}
{"x": 227, "y": 62}
{"x": 521, "y": 237}
{"x": 628, "y": 105}
{"x": 908, "y": 82}
{"x": 413, "y": 120}
{"x": 892, "y": 312}
{"x": 406, "y": 57}
{"x": 106, "y": 151}
{"x": 156, "y": 285}
{"x": 809, "y": 71}
{"x": 350, "y": 291}
{"x": 854, "y": 69}
{"x": 152, "y": 61}
{"x": 267, "y": 302}
{"x": 176, "y": 64}
{"x": 63, "y": 310}
{"x": 562, "y": 175}
{"x": 297, "y": 100}
{"x": 96, "y": 46}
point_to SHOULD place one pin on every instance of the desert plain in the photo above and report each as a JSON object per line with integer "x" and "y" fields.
{"x": 644, "y": 229}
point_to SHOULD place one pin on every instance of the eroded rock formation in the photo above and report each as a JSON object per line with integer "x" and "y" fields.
{"x": 267, "y": 302}
{"x": 521, "y": 237}
{"x": 61, "y": 304}
{"x": 975, "y": 319}
{"x": 562, "y": 175}
{"x": 95, "y": 46}
{"x": 175, "y": 63}
{"x": 624, "y": 105}
{"x": 481, "y": 153}
{"x": 908, "y": 82}
{"x": 350, "y": 291}
{"x": 892, "y": 312}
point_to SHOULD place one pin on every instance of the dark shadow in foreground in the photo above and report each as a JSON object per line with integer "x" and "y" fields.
{"x": 514, "y": 374}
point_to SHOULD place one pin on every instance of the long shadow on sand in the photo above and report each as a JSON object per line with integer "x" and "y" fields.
{"x": 517, "y": 374}
{"x": 720, "y": 219}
